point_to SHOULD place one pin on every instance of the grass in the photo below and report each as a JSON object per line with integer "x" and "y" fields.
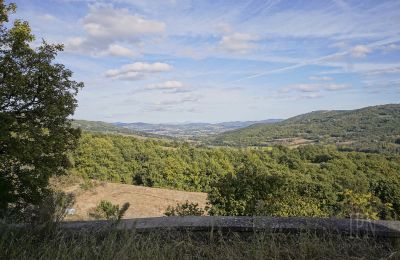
{"x": 128, "y": 244}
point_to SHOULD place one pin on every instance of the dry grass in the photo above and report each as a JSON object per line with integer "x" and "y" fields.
{"x": 111, "y": 244}
{"x": 144, "y": 201}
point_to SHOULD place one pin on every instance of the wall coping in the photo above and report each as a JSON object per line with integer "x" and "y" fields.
{"x": 378, "y": 228}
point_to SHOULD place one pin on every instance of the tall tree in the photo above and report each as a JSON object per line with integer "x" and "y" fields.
{"x": 37, "y": 96}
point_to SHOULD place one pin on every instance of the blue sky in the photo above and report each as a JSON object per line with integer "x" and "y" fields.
{"x": 213, "y": 61}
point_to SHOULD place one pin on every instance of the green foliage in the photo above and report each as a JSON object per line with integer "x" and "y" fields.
{"x": 106, "y": 210}
{"x": 352, "y": 205}
{"x": 276, "y": 181}
{"x": 185, "y": 209}
{"x": 263, "y": 186}
{"x": 288, "y": 206}
{"x": 36, "y": 98}
{"x": 149, "y": 162}
{"x": 87, "y": 184}
{"x": 370, "y": 129}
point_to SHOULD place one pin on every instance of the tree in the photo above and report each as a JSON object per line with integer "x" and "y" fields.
{"x": 36, "y": 98}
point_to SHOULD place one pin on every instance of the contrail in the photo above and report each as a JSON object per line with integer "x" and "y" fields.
{"x": 318, "y": 60}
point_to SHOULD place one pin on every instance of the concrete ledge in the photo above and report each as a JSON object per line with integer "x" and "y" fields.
{"x": 376, "y": 228}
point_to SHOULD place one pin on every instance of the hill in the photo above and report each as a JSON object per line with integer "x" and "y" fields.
{"x": 373, "y": 128}
{"x": 190, "y": 130}
{"x": 102, "y": 127}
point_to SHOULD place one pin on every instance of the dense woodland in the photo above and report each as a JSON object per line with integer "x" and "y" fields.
{"x": 370, "y": 129}
{"x": 310, "y": 180}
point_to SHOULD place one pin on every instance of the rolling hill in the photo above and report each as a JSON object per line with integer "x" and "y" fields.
{"x": 102, "y": 127}
{"x": 191, "y": 130}
{"x": 375, "y": 128}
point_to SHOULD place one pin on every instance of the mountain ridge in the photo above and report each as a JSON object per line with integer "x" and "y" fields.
{"x": 363, "y": 129}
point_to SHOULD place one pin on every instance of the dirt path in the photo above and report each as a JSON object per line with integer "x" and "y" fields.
{"x": 144, "y": 201}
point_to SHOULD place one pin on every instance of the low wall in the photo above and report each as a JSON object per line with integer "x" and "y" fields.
{"x": 376, "y": 228}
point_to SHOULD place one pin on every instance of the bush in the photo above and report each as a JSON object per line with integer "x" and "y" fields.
{"x": 185, "y": 209}
{"x": 106, "y": 210}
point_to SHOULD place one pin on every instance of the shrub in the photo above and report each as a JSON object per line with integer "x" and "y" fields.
{"x": 106, "y": 210}
{"x": 185, "y": 209}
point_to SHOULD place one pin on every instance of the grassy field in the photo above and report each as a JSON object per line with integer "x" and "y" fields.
{"x": 144, "y": 201}
{"x": 57, "y": 244}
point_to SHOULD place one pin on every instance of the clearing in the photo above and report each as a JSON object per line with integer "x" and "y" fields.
{"x": 144, "y": 201}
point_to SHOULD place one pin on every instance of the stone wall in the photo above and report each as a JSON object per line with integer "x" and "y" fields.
{"x": 248, "y": 224}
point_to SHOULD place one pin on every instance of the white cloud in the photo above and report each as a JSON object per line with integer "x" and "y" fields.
{"x": 75, "y": 43}
{"x": 317, "y": 87}
{"x": 178, "y": 100}
{"x": 320, "y": 78}
{"x": 360, "y": 51}
{"x": 223, "y": 28}
{"x": 238, "y": 42}
{"x": 390, "y": 47}
{"x": 333, "y": 87}
{"x": 167, "y": 85}
{"x": 390, "y": 70}
{"x": 105, "y": 26}
{"x": 118, "y": 50}
{"x": 109, "y": 23}
{"x": 311, "y": 95}
{"x": 137, "y": 70}
{"x": 174, "y": 102}
{"x": 48, "y": 18}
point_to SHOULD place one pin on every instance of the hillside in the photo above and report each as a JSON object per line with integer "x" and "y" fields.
{"x": 191, "y": 130}
{"x": 310, "y": 180}
{"x": 102, "y": 127}
{"x": 144, "y": 201}
{"x": 368, "y": 129}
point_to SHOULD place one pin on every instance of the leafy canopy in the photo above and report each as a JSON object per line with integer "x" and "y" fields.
{"x": 36, "y": 98}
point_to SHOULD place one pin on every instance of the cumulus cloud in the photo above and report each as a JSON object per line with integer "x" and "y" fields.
{"x": 118, "y": 50}
{"x": 360, "y": 51}
{"x": 238, "y": 42}
{"x": 105, "y": 26}
{"x": 105, "y": 22}
{"x": 137, "y": 70}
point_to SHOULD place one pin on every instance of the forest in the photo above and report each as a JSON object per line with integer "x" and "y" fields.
{"x": 312, "y": 180}
{"x": 369, "y": 129}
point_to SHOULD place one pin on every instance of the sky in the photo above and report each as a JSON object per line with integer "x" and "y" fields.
{"x": 164, "y": 61}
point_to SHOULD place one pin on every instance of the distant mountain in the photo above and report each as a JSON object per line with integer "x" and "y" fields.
{"x": 190, "y": 130}
{"x": 102, "y": 127}
{"x": 370, "y": 129}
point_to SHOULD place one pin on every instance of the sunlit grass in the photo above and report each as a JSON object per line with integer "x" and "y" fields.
{"x": 110, "y": 244}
